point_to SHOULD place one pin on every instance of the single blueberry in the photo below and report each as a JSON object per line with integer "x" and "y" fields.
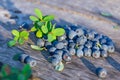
{"x": 24, "y": 25}
{"x": 87, "y": 52}
{"x": 79, "y": 53}
{"x": 40, "y": 42}
{"x": 72, "y": 51}
{"x": 96, "y": 53}
{"x": 101, "y": 72}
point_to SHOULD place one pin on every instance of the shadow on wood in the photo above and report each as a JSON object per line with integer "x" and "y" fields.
{"x": 89, "y": 65}
{"x": 113, "y": 63}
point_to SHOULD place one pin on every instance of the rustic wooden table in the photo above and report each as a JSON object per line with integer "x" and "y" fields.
{"x": 67, "y": 12}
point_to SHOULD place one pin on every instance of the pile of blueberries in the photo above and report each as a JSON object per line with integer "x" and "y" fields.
{"x": 77, "y": 41}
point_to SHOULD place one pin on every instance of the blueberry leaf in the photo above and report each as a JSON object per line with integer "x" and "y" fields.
{"x": 24, "y": 34}
{"x": 15, "y": 33}
{"x": 49, "y": 25}
{"x": 40, "y": 24}
{"x": 33, "y": 18}
{"x": 58, "y": 31}
{"x": 33, "y": 29}
{"x": 39, "y": 34}
{"x": 36, "y": 47}
{"x": 16, "y": 38}
{"x": 38, "y": 13}
{"x": 11, "y": 43}
{"x": 21, "y": 41}
{"x": 51, "y": 37}
{"x": 53, "y": 27}
{"x": 48, "y": 18}
{"x": 44, "y": 29}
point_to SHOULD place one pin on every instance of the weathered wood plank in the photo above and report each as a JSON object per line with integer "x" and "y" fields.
{"x": 82, "y": 12}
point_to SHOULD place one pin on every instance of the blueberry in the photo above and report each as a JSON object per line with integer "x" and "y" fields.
{"x": 58, "y": 56}
{"x": 96, "y": 53}
{"x": 96, "y": 47}
{"x": 55, "y": 61}
{"x": 94, "y": 32}
{"x": 71, "y": 34}
{"x": 90, "y": 35}
{"x": 81, "y": 40}
{"x": 79, "y": 32}
{"x": 52, "y": 49}
{"x": 22, "y": 57}
{"x": 32, "y": 62}
{"x": 104, "y": 47}
{"x": 61, "y": 38}
{"x": 87, "y": 52}
{"x": 71, "y": 45}
{"x": 66, "y": 57}
{"x": 103, "y": 53}
{"x": 70, "y": 41}
{"x": 88, "y": 44}
{"x": 65, "y": 42}
{"x": 24, "y": 25}
{"x": 98, "y": 36}
{"x": 79, "y": 53}
{"x": 59, "y": 52}
{"x": 101, "y": 72}
{"x": 47, "y": 43}
{"x": 81, "y": 47}
{"x": 110, "y": 43}
{"x": 40, "y": 42}
{"x": 72, "y": 51}
{"x": 102, "y": 41}
{"x": 59, "y": 45}
{"x": 111, "y": 48}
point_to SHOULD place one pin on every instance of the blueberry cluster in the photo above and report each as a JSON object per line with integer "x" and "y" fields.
{"x": 77, "y": 41}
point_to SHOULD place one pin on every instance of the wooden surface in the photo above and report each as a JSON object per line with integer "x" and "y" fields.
{"x": 67, "y": 12}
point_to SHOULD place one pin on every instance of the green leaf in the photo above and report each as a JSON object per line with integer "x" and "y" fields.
{"x": 21, "y": 41}
{"x": 40, "y": 24}
{"x": 59, "y": 67}
{"x": 39, "y": 34}
{"x": 33, "y": 18}
{"x": 38, "y": 13}
{"x": 49, "y": 26}
{"x": 36, "y": 47}
{"x": 58, "y": 31}
{"x": 48, "y": 18}
{"x": 15, "y": 33}
{"x": 24, "y": 34}
{"x": 44, "y": 29}
{"x": 53, "y": 27}
{"x": 11, "y": 43}
{"x": 106, "y": 14}
{"x": 51, "y": 37}
{"x": 33, "y": 29}
{"x": 21, "y": 77}
{"x": 27, "y": 71}
{"x": 16, "y": 38}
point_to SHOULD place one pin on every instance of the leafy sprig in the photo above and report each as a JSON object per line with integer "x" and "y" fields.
{"x": 19, "y": 37}
{"x": 43, "y": 26}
